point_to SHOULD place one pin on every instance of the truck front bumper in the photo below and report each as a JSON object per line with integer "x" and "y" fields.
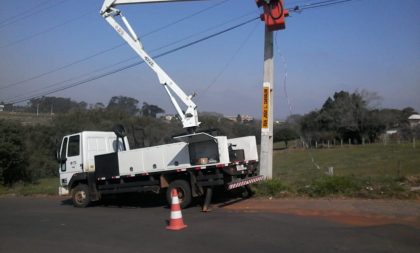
{"x": 63, "y": 191}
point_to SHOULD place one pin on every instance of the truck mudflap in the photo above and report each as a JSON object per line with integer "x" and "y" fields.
{"x": 244, "y": 182}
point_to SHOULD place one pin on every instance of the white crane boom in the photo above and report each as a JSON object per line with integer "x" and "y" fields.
{"x": 109, "y": 12}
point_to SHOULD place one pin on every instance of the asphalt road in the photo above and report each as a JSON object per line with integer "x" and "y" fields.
{"x": 54, "y": 225}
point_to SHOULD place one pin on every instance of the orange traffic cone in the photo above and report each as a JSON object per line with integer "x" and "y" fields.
{"x": 176, "y": 222}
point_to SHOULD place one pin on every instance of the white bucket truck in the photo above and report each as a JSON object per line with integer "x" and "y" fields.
{"x": 96, "y": 163}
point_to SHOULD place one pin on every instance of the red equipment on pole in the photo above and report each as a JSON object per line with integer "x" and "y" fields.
{"x": 274, "y": 14}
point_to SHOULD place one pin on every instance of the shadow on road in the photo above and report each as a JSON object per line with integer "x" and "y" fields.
{"x": 221, "y": 198}
{"x": 127, "y": 200}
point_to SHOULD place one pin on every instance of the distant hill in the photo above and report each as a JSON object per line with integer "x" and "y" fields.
{"x": 27, "y": 118}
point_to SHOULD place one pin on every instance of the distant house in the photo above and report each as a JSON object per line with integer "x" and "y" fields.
{"x": 414, "y": 120}
{"x": 168, "y": 117}
{"x": 392, "y": 132}
{"x": 243, "y": 118}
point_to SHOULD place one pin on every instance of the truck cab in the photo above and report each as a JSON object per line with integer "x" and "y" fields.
{"x": 77, "y": 153}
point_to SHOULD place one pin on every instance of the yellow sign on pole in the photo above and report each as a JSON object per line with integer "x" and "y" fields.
{"x": 265, "y": 107}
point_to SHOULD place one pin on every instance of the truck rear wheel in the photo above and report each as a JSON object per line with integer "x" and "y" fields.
{"x": 184, "y": 192}
{"x": 80, "y": 196}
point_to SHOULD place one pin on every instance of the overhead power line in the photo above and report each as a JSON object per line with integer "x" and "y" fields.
{"x": 45, "y": 31}
{"x": 170, "y": 44}
{"x": 25, "y": 11}
{"x": 108, "y": 49}
{"x": 63, "y": 67}
{"x": 294, "y": 9}
{"x": 226, "y": 66}
{"x": 299, "y": 8}
{"x": 11, "y": 21}
{"x": 133, "y": 64}
{"x": 184, "y": 18}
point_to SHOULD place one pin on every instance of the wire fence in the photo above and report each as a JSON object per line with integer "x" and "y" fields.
{"x": 347, "y": 143}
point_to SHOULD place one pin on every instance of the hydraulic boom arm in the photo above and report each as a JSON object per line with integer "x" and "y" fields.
{"x": 189, "y": 117}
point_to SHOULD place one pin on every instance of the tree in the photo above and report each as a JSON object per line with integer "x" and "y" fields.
{"x": 54, "y": 104}
{"x": 345, "y": 116}
{"x": 98, "y": 106}
{"x": 286, "y": 134}
{"x": 405, "y": 114}
{"x": 123, "y": 104}
{"x": 12, "y": 159}
{"x": 151, "y": 110}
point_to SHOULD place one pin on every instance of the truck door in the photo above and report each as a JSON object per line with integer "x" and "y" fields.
{"x": 73, "y": 159}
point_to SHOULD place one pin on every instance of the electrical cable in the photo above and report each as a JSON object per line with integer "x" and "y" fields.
{"x": 302, "y": 139}
{"x": 135, "y": 64}
{"x": 64, "y": 66}
{"x": 299, "y": 9}
{"x": 324, "y": 3}
{"x": 39, "y": 91}
{"x": 10, "y": 22}
{"x": 226, "y": 66}
{"x": 283, "y": 59}
{"x": 136, "y": 57}
{"x": 44, "y": 31}
{"x": 184, "y": 18}
{"x": 111, "y": 48}
{"x": 25, "y": 11}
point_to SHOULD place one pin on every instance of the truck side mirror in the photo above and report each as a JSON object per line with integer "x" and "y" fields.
{"x": 59, "y": 158}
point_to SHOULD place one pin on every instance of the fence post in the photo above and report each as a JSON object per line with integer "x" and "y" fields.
{"x": 328, "y": 145}
{"x": 349, "y": 141}
{"x": 341, "y": 142}
{"x": 316, "y": 144}
{"x": 363, "y": 141}
{"x": 414, "y": 142}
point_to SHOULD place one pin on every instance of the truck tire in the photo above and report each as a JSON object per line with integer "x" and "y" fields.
{"x": 184, "y": 192}
{"x": 80, "y": 196}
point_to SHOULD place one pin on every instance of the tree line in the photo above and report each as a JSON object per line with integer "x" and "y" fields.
{"x": 27, "y": 151}
{"x": 347, "y": 116}
{"x": 53, "y": 105}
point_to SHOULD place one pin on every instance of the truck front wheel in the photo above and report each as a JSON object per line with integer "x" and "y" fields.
{"x": 184, "y": 192}
{"x": 80, "y": 195}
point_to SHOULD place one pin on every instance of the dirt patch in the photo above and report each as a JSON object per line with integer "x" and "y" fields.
{"x": 353, "y": 212}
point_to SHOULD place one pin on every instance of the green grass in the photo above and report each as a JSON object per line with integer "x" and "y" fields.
{"x": 274, "y": 188}
{"x": 47, "y": 186}
{"x": 373, "y": 160}
{"x": 374, "y": 170}
{"x": 369, "y": 171}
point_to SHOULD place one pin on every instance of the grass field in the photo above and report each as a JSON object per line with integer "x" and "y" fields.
{"x": 375, "y": 160}
{"x": 47, "y": 186}
{"x": 368, "y": 171}
{"x": 374, "y": 170}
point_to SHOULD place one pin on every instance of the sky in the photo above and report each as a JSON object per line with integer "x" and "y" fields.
{"x": 371, "y": 45}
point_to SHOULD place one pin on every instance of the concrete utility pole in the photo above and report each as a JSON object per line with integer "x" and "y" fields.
{"x": 266, "y": 156}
